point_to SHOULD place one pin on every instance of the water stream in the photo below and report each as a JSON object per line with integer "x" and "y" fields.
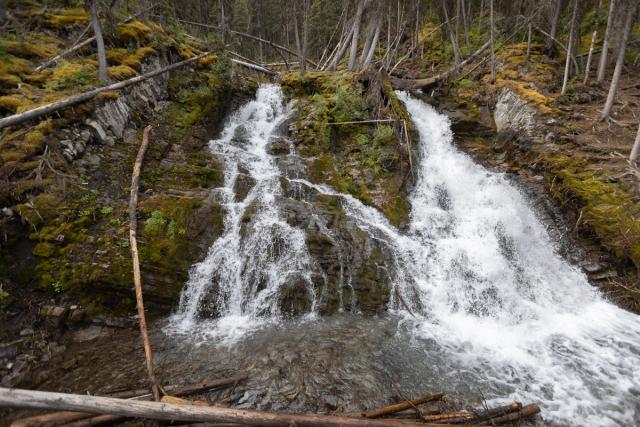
{"x": 481, "y": 302}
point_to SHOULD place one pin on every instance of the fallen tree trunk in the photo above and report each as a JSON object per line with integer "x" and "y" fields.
{"x": 407, "y": 84}
{"x": 137, "y": 280}
{"x": 249, "y": 36}
{"x": 254, "y": 67}
{"x": 69, "y": 417}
{"x": 77, "y": 99}
{"x": 390, "y": 409}
{"x": 526, "y": 412}
{"x": 166, "y": 411}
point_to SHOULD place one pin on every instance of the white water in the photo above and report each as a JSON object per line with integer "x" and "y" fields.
{"x": 495, "y": 304}
{"x": 248, "y": 270}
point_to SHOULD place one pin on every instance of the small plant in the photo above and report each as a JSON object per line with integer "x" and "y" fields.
{"x": 57, "y": 287}
{"x": 106, "y": 210}
{"x": 155, "y": 224}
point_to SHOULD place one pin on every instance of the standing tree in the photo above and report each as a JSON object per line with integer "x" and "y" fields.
{"x": 3, "y": 11}
{"x": 615, "y": 80}
{"x": 635, "y": 151}
{"x": 567, "y": 66}
{"x": 452, "y": 36}
{"x": 551, "y": 47}
{"x": 594, "y": 36}
{"x": 353, "y": 54}
{"x": 602, "y": 66}
{"x": 493, "y": 48}
{"x": 103, "y": 77}
{"x": 301, "y": 46}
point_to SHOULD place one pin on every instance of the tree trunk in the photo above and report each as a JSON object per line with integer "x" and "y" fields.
{"x": 168, "y": 411}
{"x": 343, "y": 49}
{"x": 353, "y": 54}
{"x": 493, "y": 48}
{"x": 297, "y": 37}
{"x": 3, "y": 11}
{"x": 602, "y": 66}
{"x": 452, "y": 37}
{"x": 408, "y": 84}
{"x": 550, "y": 48}
{"x": 305, "y": 30}
{"x": 594, "y": 36}
{"x": 615, "y": 80}
{"x": 103, "y": 76}
{"x": 77, "y": 99}
{"x": 465, "y": 20}
{"x": 367, "y": 42}
{"x": 374, "y": 44}
{"x": 133, "y": 227}
{"x": 529, "y": 40}
{"x": 635, "y": 151}
{"x": 567, "y": 65}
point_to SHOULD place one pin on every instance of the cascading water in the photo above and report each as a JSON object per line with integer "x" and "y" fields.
{"x": 478, "y": 287}
{"x": 241, "y": 275}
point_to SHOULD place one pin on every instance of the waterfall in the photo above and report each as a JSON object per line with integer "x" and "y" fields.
{"x": 477, "y": 282}
{"x": 240, "y": 278}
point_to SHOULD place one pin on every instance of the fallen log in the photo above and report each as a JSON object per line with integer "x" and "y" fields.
{"x": 249, "y": 36}
{"x": 19, "y": 398}
{"x": 390, "y": 409}
{"x": 499, "y": 411}
{"x": 254, "y": 67}
{"x": 94, "y": 421}
{"x": 408, "y": 84}
{"x": 526, "y": 412}
{"x": 67, "y": 417}
{"x": 77, "y": 99}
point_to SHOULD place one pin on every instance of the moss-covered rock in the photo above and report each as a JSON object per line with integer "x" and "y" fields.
{"x": 368, "y": 160}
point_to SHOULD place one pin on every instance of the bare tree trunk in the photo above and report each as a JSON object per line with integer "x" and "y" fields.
{"x": 3, "y": 11}
{"x": 353, "y": 54}
{"x": 297, "y": 37}
{"x": 465, "y": 20}
{"x": 454, "y": 41}
{"x": 374, "y": 43}
{"x": 529, "y": 40}
{"x": 550, "y": 48}
{"x": 567, "y": 65}
{"x": 133, "y": 226}
{"x": 103, "y": 76}
{"x": 305, "y": 31}
{"x": 594, "y": 36}
{"x": 367, "y": 43}
{"x": 343, "y": 49}
{"x": 635, "y": 151}
{"x": 493, "y": 40}
{"x": 602, "y": 66}
{"x": 615, "y": 80}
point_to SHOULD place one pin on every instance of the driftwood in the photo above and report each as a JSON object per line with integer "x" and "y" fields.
{"x": 133, "y": 227}
{"x": 67, "y": 418}
{"x": 249, "y": 36}
{"x": 166, "y": 411}
{"x": 525, "y": 412}
{"x": 386, "y": 410}
{"x": 83, "y": 97}
{"x": 408, "y": 84}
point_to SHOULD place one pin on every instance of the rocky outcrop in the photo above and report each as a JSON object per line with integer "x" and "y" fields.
{"x": 513, "y": 115}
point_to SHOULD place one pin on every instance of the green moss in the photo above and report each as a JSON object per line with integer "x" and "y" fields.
{"x": 40, "y": 209}
{"x": 135, "y": 30}
{"x": 156, "y": 224}
{"x": 44, "y": 249}
{"x": 608, "y": 209}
